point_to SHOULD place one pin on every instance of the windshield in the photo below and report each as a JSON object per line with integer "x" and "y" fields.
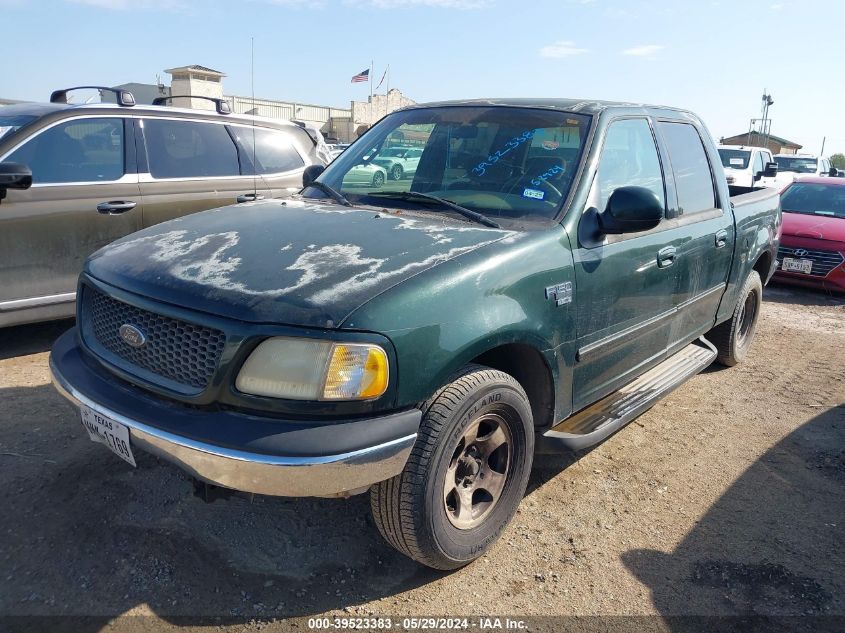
{"x": 504, "y": 163}
{"x": 735, "y": 158}
{"x": 801, "y": 165}
{"x": 9, "y": 124}
{"x": 814, "y": 199}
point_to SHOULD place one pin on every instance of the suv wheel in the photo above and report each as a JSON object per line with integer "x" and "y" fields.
{"x": 466, "y": 474}
{"x": 733, "y": 338}
{"x": 396, "y": 172}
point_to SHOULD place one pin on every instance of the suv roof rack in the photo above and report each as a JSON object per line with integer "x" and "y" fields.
{"x": 222, "y": 104}
{"x": 124, "y": 97}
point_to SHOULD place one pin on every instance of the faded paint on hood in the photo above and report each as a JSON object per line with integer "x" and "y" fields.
{"x": 292, "y": 262}
{"x": 818, "y": 227}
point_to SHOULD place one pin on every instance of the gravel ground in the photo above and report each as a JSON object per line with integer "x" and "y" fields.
{"x": 725, "y": 498}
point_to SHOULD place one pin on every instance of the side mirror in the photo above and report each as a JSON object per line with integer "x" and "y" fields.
{"x": 833, "y": 172}
{"x": 14, "y": 176}
{"x": 758, "y": 176}
{"x": 630, "y": 210}
{"x": 310, "y": 174}
{"x": 771, "y": 170}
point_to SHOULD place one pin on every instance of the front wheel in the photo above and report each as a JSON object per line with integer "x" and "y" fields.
{"x": 378, "y": 179}
{"x": 396, "y": 172}
{"x": 466, "y": 475}
{"x": 733, "y": 338}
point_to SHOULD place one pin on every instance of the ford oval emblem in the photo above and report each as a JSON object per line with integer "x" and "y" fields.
{"x": 132, "y": 336}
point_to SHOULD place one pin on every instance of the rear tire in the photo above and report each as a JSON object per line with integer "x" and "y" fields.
{"x": 396, "y": 172}
{"x": 378, "y": 179}
{"x": 733, "y": 338}
{"x": 456, "y": 495}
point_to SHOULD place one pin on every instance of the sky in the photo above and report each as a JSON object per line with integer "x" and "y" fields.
{"x": 714, "y": 57}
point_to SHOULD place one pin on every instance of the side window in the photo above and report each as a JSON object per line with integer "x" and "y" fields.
{"x": 628, "y": 158}
{"x": 189, "y": 149}
{"x": 758, "y": 163}
{"x": 693, "y": 180}
{"x": 274, "y": 151}
{"x": 83, "y": 150}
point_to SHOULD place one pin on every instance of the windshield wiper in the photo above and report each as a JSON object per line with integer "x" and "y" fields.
{"x": 333, "y": 193}
{"x": 427, "y": 197}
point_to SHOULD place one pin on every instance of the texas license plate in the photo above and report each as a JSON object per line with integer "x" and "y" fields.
{"x": 110, "y": 432}
{"x": 791, "y": 264}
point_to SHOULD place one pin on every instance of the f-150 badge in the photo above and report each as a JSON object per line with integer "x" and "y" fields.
{"x": 561, "y": 293}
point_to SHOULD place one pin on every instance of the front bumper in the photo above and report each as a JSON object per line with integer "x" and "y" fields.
{"x": 237, "y": 450}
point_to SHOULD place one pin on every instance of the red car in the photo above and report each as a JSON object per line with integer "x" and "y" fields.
{"x": 812, "y": 247}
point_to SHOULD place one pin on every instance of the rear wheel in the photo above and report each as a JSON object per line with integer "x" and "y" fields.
{"x": 733, "y": 338}
{"x": 466, "y": 474}
{"x": 396, "y": 172}
{"x": 378, "y": 179}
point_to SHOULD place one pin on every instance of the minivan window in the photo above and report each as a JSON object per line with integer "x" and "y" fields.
{"x": 189, "y": 149}
{"x": 82, "y": 150}
{"x": 274, "y": 152}
{"x": 693, "y": 180}
{"x": 628, "y": 158}
{"x": 9, "y": 124}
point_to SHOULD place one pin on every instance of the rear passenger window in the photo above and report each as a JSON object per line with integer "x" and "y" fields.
{"x": 274, "y": 151}
{"x": 189, "y": 149}
{"x": 628, "y": 158}
{"x": 693, "y": 180}
{"x": 83, "y": 150}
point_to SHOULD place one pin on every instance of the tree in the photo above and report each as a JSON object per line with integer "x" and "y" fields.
{"x": 838, "y": 160}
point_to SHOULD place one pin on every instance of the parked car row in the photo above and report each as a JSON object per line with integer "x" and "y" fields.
{"x": 755, "y": 166}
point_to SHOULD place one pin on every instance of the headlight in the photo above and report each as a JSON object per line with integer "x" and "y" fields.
{"x": 308, "y": 369}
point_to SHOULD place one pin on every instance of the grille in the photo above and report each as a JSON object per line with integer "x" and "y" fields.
{"x": 823, "y": 261}
{"x": 183, "y": 352}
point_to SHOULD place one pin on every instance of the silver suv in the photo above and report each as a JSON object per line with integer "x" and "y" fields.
{"x": 101, "y": 171}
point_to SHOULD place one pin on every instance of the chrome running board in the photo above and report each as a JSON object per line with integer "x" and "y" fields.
{"x": 603, "y": 418}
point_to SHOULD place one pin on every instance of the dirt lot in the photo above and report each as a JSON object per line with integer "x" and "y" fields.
{"x": 726, "y": 498}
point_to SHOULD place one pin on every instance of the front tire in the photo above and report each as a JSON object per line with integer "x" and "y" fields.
{"x": 378, "y": 179}
{"x": 396, "y": 172}
{"x": 466, "y": 475}
{"x": 733, "y": 338}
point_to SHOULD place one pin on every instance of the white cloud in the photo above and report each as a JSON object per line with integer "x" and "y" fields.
{"x": 644, "y": 50}
{"x": 561, "y": 49}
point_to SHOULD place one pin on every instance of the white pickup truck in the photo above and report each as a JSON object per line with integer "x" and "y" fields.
{"x": 790, "y": 166}
{"x": 747, "y": 166}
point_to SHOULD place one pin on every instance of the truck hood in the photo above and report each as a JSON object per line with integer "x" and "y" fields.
{"x": 814, "y": 226}
{"x": 288, "y": 262}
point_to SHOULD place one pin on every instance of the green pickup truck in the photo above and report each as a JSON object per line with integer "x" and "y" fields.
{"x": 551, "y": 269}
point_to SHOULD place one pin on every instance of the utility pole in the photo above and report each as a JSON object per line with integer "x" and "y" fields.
{"x": 823, "y": 142}
{"x": 764, "y": 130}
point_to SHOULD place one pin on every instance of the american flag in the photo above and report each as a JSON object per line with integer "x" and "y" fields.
{"x": 361, "y": 77}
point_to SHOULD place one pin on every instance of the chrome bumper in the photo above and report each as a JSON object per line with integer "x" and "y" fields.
{"x": 323, "y": 476}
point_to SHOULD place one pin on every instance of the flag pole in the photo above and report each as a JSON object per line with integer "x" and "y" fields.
{"x": 370, "y": 77}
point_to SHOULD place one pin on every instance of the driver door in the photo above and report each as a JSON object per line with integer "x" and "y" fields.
{"x": 625, "y": 283}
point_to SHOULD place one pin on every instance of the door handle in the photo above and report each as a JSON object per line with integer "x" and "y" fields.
{"x": 116, "y": 207}
{"x": 249, "y": 197}
{"x": 666, "y": 256}
{"x": 721, "y": 238}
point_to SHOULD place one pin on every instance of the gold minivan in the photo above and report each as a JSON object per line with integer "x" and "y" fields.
{"x": 101, "y": 171}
